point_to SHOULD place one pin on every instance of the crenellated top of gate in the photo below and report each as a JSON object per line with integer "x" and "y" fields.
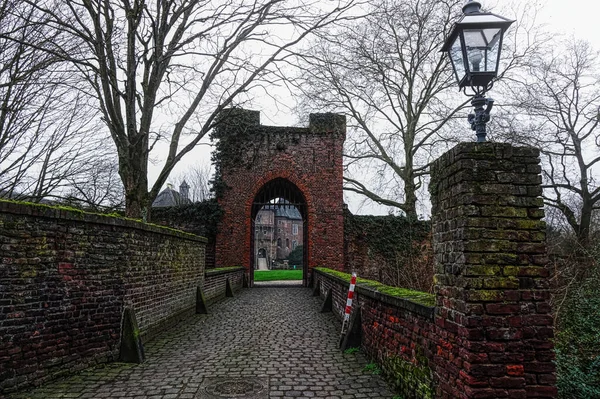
{"x": 243, "y": 124}
{"x": 241, "y": 141}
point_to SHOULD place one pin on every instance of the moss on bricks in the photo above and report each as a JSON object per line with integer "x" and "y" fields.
{"x": 411, "y": 378}
{"x": 419, "y": 297}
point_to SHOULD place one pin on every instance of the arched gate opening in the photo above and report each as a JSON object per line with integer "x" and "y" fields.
{"x": 276, "y": 198}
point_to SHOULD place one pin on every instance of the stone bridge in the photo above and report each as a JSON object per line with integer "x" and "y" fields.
{"x": 79, "y": 290}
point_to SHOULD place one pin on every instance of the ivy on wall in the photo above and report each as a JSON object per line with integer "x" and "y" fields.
{"x": 236, "y": 143}
{"x": 390, "y": 249}
{"x": 200, "y": 218}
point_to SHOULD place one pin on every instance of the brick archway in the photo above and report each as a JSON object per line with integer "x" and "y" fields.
{"x": 309, "y": 158}
{"x": 279, "y": 196}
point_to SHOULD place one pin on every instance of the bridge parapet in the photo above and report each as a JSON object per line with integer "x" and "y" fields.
{"x": 66, "y": 278}
{"x": 215, "y": 282}
{"x": 397, "y": 328}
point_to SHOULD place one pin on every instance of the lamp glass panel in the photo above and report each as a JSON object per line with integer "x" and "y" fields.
{"x": 482, "y": 49}
{"x": 491, "y": 58}
{"x": 456, "y": 56}
{"x": 474, "y": 38}
{"x": 492, "y": 36}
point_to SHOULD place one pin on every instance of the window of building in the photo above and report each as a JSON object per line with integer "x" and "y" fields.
{"x": 295, "y": 229}
{"x": 294, "y": 244}
{"x": 279, "y": 230}
{"x": 279, "y": 242}
{"x": 258, "y": 218}
{"x": 265, "y": 231}
{"x": 287, "y": 242}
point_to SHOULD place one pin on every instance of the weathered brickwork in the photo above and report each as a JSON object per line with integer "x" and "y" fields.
{"x": 65, "y": 278}
{"x": 493, "y": 318}
{"x": 310, "y": 158}
{"x": 490, "y": 333}
{"x": 199, "y": 218}
{"x": 397, "y": 333}
{"x": 215, "y": 282}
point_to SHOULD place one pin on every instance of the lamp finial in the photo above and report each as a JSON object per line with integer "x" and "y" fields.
{"x": 472, "y": 7}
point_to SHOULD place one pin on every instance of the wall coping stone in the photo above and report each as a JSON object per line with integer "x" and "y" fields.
{"x": 223, "y": 270}
{"x": 57, "y": 212}
{"x": 403, "y": 303}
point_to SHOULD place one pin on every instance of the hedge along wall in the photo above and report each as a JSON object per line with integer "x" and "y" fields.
{"x": 397, "y": 328}
{"x": 215, "y": 281}
{"x": 65, "y": 278}
{"x": 389, "y": 249}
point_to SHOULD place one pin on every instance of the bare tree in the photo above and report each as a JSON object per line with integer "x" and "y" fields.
{"x": 98, "y": 187}
{"x": 557, "y": 110}
{"x": 46, "y": 131}
{"x": 165, "y": 69}
{"x": 388, "y": 74}
{"x": 198, "y": 178}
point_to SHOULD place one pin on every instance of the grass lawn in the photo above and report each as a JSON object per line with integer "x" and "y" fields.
{"x": 272, "y": 275}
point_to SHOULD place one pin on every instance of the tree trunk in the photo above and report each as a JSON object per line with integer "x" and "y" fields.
{"x": 134, "y": 174}
{"x": 583, "y": 233}
{"x": 410, "y": 202}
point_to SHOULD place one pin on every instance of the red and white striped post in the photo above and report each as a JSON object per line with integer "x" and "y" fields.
{"x": 349, "y": 303}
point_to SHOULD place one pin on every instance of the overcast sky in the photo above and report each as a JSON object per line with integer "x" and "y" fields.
{"x": 577, "y": 18}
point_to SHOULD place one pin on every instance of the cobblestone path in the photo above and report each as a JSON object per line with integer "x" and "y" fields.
{"x": 274, "y": 338}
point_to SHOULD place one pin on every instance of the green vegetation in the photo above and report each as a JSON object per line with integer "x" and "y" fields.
{"x": 422, "y": 298}
{"x": 410, "y": 376}
{"x": 351, "y": 351}
{"x": 296, "y": 256}
{"x": 372, "y": 368}
{"x": 273, "y": 275}
{"x": 400, "y": 248}
{"x": 577, "y": 344}
{"x": 81, "y": 213}
{"x": 201, "y": 218}
{"x": 387, "y": 234}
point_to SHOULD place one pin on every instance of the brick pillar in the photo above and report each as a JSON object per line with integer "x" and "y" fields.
{"x": 492, "y": 317}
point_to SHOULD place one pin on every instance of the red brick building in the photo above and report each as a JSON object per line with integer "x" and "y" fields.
{"x": 278, "y": 230}
{"x": 257, "y": 164}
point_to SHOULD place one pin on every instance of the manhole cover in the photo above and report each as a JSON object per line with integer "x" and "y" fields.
{"x": 234, "y": 388}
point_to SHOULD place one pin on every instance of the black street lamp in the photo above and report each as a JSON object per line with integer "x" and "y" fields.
{"x": 474, "y": 47}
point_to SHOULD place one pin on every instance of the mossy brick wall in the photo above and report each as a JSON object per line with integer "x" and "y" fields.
{"x": 397, "y": 333}
{"x": 493, "y": 318}
{"x": 310, "y": 158}
{"x": 198, "y": 218}
{"x": 65, "y": 278}
{"x": 215, "y": 282}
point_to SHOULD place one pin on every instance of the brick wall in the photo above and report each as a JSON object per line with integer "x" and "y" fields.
{"x": 199, "y": 218}
{"x": 65, "y": 278}
{"x": 493, "y": 316}
{"x": 397, "y": 333}
{"x": 309, "y": 158}
{"x": 490, "y": 333}
{"x": 215, "y": 281}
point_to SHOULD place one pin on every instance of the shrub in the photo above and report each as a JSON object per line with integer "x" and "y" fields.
{"x": 577, "y": 342}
